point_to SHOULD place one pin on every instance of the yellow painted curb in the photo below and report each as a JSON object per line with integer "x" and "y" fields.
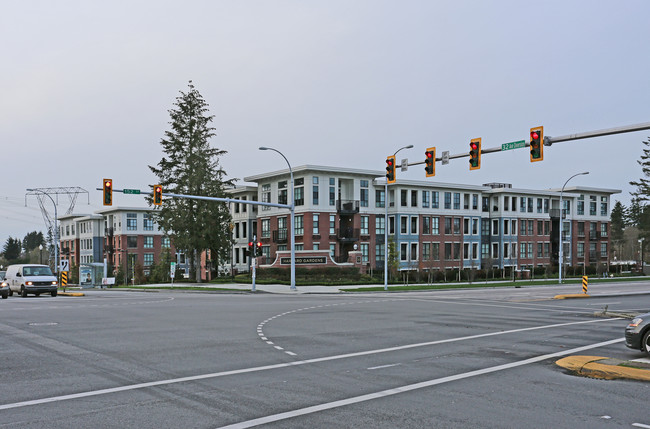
{"x": 570, "y": 296}
{"x": 589, "y": 366}
{"x": 71, "y": 294}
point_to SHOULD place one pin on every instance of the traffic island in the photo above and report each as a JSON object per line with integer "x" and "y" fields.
{"x": 70, "y": 294}
{"x": 605, "y": 368}
{"x": 571, "y": 296}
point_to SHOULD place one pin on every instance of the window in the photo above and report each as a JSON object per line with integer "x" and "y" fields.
{"x": 474, "y": 226}
{"x": 456, "y": 225}
{"x": 282, "y": 192}
{"x": 332, "y": 191}
{"x": 300, "y": 246}
{"x": 148, "y": 222}
{"x": 581, "y": 229}
{"x": 495, "y": 227}
{"x": 148, "y": 259}
{"x": 380, "y": 225}
{"x": 315, "y": 225}
{"x": 403, "y": 224}
{"x": 364, "y": 193}
{"x": 243, "y": 206}
{"x": 266, "y": 196}
{"x": 522, "y": 225}
{"x": 581, "y": 250}
{"x": 485, "y": 226}
{"x": 474, "y": 250}
{"x": 603, "y": 229}
{"x": 425, "y": 199}
{"x": 506, "y": 203}
{"x": 380, "y": 199}
{"x": 466, "y": 226}
{"x": 592, "y": 205}
{"x": 435, "y": 251}
{"x": 485, "y": 250}
{"x": 365, "y": 230}
{"x": 364, "y": 252}
{"x": 391, "y": 224}
{"x": 435, "y": 202}
{"x": 581, "y": 205}
{"x": 513, "y": 226}
{"x": 332, "y": 249}
{"x": 495, "y": 250}
{"x": 298, "y": 225}
{"x": 474, "y": 201}
{"x": 522, "y": 204}
{"x": 266, "y": 228}
{"x": 332, "y": 224}
{"x": 379, "y": 253}
{"x": 315, "y": 246}
{"x": 414, "y": 251}
{"x": 403, "y": 251}
{"x": 426, "y": 251}
{"x": 466, "y": 201}
{"x": 447, "y": 225}
{"x": 506, "y": 250}
{"x": 466, "y": 254}
{"x": 148, "y": 242}
{"x": 282, "y": 228}
{"x": 546, "y": 201}
{"x": 435, "y": 227}
{"x": 530, "y": 250}
{"x": 530, "y": 205}
{"x": 403, "y": 199}
{"x": 299, "y": 191}
{"x": 165, "y": 242}
{"x": 539, "y": 206}
{"x": 603, "y": 250}
{"x": 522, "y": 250}
{"x": 603, "y": 206}
{"x": 514, "y": 204}
{"x": 506, "y": 227}
{"x": 414, "y": 225}
{"x": 131, "y": 241}
{"x": 447, "y": 200}
{"x": 414, "y": 198}
{"x": 314, "y": 191}
{"x": 131, "y": 221}
{"x": 456, "y": 200}
{"x": 447, "y": 251}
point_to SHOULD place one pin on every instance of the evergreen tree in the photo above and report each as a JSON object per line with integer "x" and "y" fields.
{"x": 190, "y": 166}
{"x": 617, "y": 219}
{"x": 32, "y": 240}
{"x": 12, "y": 249}
{"x": 642, "y": 192}
{"x": 634, "y": 213}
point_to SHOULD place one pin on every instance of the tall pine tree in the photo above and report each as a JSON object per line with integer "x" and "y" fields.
{"x": 190, "y": 166}
{"x": 642, "y": 192}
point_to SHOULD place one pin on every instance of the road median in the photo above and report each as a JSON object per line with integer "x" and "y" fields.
{"x": 605, "y": 368}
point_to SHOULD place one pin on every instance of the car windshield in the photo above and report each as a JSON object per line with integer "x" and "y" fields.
{"x": 37, "y": 271}
{"x": 2, "y": 275}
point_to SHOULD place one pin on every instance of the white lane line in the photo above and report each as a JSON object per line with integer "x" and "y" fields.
{"x": 410, "y": 387}
{"x": 384, "y": 366}
{"x": 290, "y": 353}
{"x": 284, "y": 365}
{"x": 641, "y": 425}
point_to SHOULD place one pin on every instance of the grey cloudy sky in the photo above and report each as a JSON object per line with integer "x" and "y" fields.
{"x": 86, "y": 86}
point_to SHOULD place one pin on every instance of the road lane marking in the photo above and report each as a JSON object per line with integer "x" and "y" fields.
{"x": 411, "y": 387}
{"x": 384, "y": 366}
{"x": 285, "y": 365}
{"x": 641, "y": 425}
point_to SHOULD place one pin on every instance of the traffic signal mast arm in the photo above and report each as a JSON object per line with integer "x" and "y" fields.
{"x": 548, "y": 141}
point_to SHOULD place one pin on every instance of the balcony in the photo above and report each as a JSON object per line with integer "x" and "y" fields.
{"x": 347, "y": 207}
{"x": 348, "y": 235}
{"x": 280, "y": 236}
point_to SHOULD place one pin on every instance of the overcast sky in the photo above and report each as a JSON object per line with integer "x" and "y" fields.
{"x": 86, "y": 87}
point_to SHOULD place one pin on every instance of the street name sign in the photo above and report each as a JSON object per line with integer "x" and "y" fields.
{"x": 513, "y": 145}
{"x": 131, "y": 191}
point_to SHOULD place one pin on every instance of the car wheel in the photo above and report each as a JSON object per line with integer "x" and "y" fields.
{"x": 5, "y": 295}
{"x": 645, "y": 345}
{"x": 53, "y": 294}
{"x": 23, "y": 292}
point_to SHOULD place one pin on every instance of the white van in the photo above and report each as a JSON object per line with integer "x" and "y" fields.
{"x": 31, "y": 278}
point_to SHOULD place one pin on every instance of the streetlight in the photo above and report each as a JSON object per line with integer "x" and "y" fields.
{"x": 293, "y": 212}
{"x": 386, "y": 223}
{"x": 561, "y": 254}
{"x": 56, "y": 229}
{"x": 40, "y": 251}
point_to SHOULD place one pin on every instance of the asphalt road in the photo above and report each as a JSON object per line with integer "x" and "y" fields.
{"x": 476, "y": 358}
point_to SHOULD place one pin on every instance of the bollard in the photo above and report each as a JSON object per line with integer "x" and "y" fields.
{"x": 585, "y": 284}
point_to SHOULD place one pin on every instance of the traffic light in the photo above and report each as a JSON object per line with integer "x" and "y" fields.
{"x": 390, "y": 169}
{"x": 252, "y": 249}
{"x": 475, "y": 154}
{"x": 108, "y": 192}
{"x": 430, "y": 161}
{"x": 157, "y": 195}
{"x": 536, "y": 144}
{"x": 258, "y": 251}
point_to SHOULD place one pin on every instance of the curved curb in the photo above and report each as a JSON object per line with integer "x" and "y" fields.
{"x": 571, "y": 296}
{"x": 70, "y": 294}
{"x": 589, "y": 366}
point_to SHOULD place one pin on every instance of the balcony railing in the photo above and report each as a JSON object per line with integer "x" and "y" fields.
{"x": 348, "y": 234}
{"x": 280, "y": 236}
{"x": 347, "y": 206}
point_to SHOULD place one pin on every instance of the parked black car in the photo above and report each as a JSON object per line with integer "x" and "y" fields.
{"x": 637, "y": 333}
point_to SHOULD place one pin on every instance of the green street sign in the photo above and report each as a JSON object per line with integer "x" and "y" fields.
{"x": 131, "y": 191}
{"x": 513, "y": 145}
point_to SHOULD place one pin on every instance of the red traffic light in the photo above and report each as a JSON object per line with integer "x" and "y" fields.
{"x": 108, "y": 192}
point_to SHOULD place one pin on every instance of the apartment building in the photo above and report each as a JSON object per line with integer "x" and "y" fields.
{"x": 434, "y": 226}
